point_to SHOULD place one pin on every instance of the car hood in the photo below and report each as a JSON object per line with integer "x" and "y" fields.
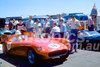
{"x": 90, "y": 35}
{"x": 49, "y": 45}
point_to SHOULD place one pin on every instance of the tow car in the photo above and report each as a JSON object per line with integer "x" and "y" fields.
{"x": 35, "y": 49}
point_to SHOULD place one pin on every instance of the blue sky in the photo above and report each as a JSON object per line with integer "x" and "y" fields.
{"x": 43, "y": 7}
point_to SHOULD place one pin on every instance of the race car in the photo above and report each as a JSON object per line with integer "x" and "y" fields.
{"x": 4, "y": 29}
{"x": 35, "y": 49}
{"x": 89, "y": 38}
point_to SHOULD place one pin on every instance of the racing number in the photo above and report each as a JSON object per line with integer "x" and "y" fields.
{"x": 54, "y": 45}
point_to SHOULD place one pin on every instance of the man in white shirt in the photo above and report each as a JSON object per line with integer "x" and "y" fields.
{"x": 46, "y": 26}
{"x": 74, "y": 25}
{"x": 14, "y": 23}
{"x": 58, "y": 18}
{"x": 55, "y": 31}
{"x": 17, "y": 36}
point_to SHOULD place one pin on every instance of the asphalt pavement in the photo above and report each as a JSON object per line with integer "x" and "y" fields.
{"x": 83, "y": 58}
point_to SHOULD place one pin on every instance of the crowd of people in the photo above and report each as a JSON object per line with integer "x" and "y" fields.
{"x": 53, "y": 28}
{"x": 59, "y": 28}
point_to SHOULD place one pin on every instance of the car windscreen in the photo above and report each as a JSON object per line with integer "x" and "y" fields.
{"x": 91, "y": 33}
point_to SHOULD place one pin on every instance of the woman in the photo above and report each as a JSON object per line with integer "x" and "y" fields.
{"x": 39, "y": 29}
{"x": 91, "y": 24}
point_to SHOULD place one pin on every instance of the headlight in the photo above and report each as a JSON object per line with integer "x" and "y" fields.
{"x": 39, "y": 48}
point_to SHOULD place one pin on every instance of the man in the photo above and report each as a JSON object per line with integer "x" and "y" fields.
{"x": 62, "y": 28}
{"x": 59, "y": 17}
{"x": 55, "y": 31}
{"x": 91, "y": 24}
{"x": 20, "y": 26}
{"x": 51, "y": 20}
{"x": 30, "y": 24}
{"x": 38, "y": 28}
{"x": 46, "y": 26}
{"x": 17, "y": 36}
{"x": 14, "y": 23}
{"x": 74, "y": 25}
{"x": 10, "y": 25}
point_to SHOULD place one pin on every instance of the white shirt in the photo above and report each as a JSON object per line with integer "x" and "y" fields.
{"x": 57, "y": 21}
{"x": 55, "y": 29}
{"x": 72, "y": 25}
{"x": 46, "y": 24}
{"x": 14, "y": 39}
{"x": 39, "y": 27}
{"x": 15, "y": 23}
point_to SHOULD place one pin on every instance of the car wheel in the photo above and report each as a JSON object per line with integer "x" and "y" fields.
{"x": 65, "y": 56}
{"x": 31, "y": 55}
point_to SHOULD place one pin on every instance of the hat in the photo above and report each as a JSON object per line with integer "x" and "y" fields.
{"x": 17, "y": 32}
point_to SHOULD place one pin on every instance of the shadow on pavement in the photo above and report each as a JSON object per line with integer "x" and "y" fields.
{"x": 19, "y": 61}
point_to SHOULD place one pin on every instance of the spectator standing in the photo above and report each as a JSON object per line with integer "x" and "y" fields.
{"x": 20, "y": 26}
{"x": 39, "y": 29}
{"x": 14, "y": 23}
{"x": 10, "y": 25}
{"x": 74, "y": 25}
{"x": 42, "y": 21}
{"x": 62, "y": 28}
{"x": 91, "y": 24}
{"x": 51, "y": 20}
{"x": 58, "y": 18}
{"x": 46, "y": 26}
{"x": 55, "y": 31}
{"x": 30, "y": 24}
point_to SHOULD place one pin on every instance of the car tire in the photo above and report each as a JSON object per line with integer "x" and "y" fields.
{"x": 32, "y": 57}
{"x": 65, "y": 56}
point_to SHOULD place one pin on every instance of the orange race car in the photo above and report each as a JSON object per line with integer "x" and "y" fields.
{"x": 35, "y": 48}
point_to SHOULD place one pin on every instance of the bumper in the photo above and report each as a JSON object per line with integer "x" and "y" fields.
{"x": 54, "y": 55}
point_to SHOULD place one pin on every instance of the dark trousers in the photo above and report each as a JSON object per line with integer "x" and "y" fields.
{"x": 47, "y": 30}
{"x": 91, "y": 28}
{"x": 73, "y": 39}
{"x": 56, "y": 34}
{"x": 62, "y": 34}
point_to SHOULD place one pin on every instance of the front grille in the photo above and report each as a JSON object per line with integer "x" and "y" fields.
{"x": 57, "y": 53}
